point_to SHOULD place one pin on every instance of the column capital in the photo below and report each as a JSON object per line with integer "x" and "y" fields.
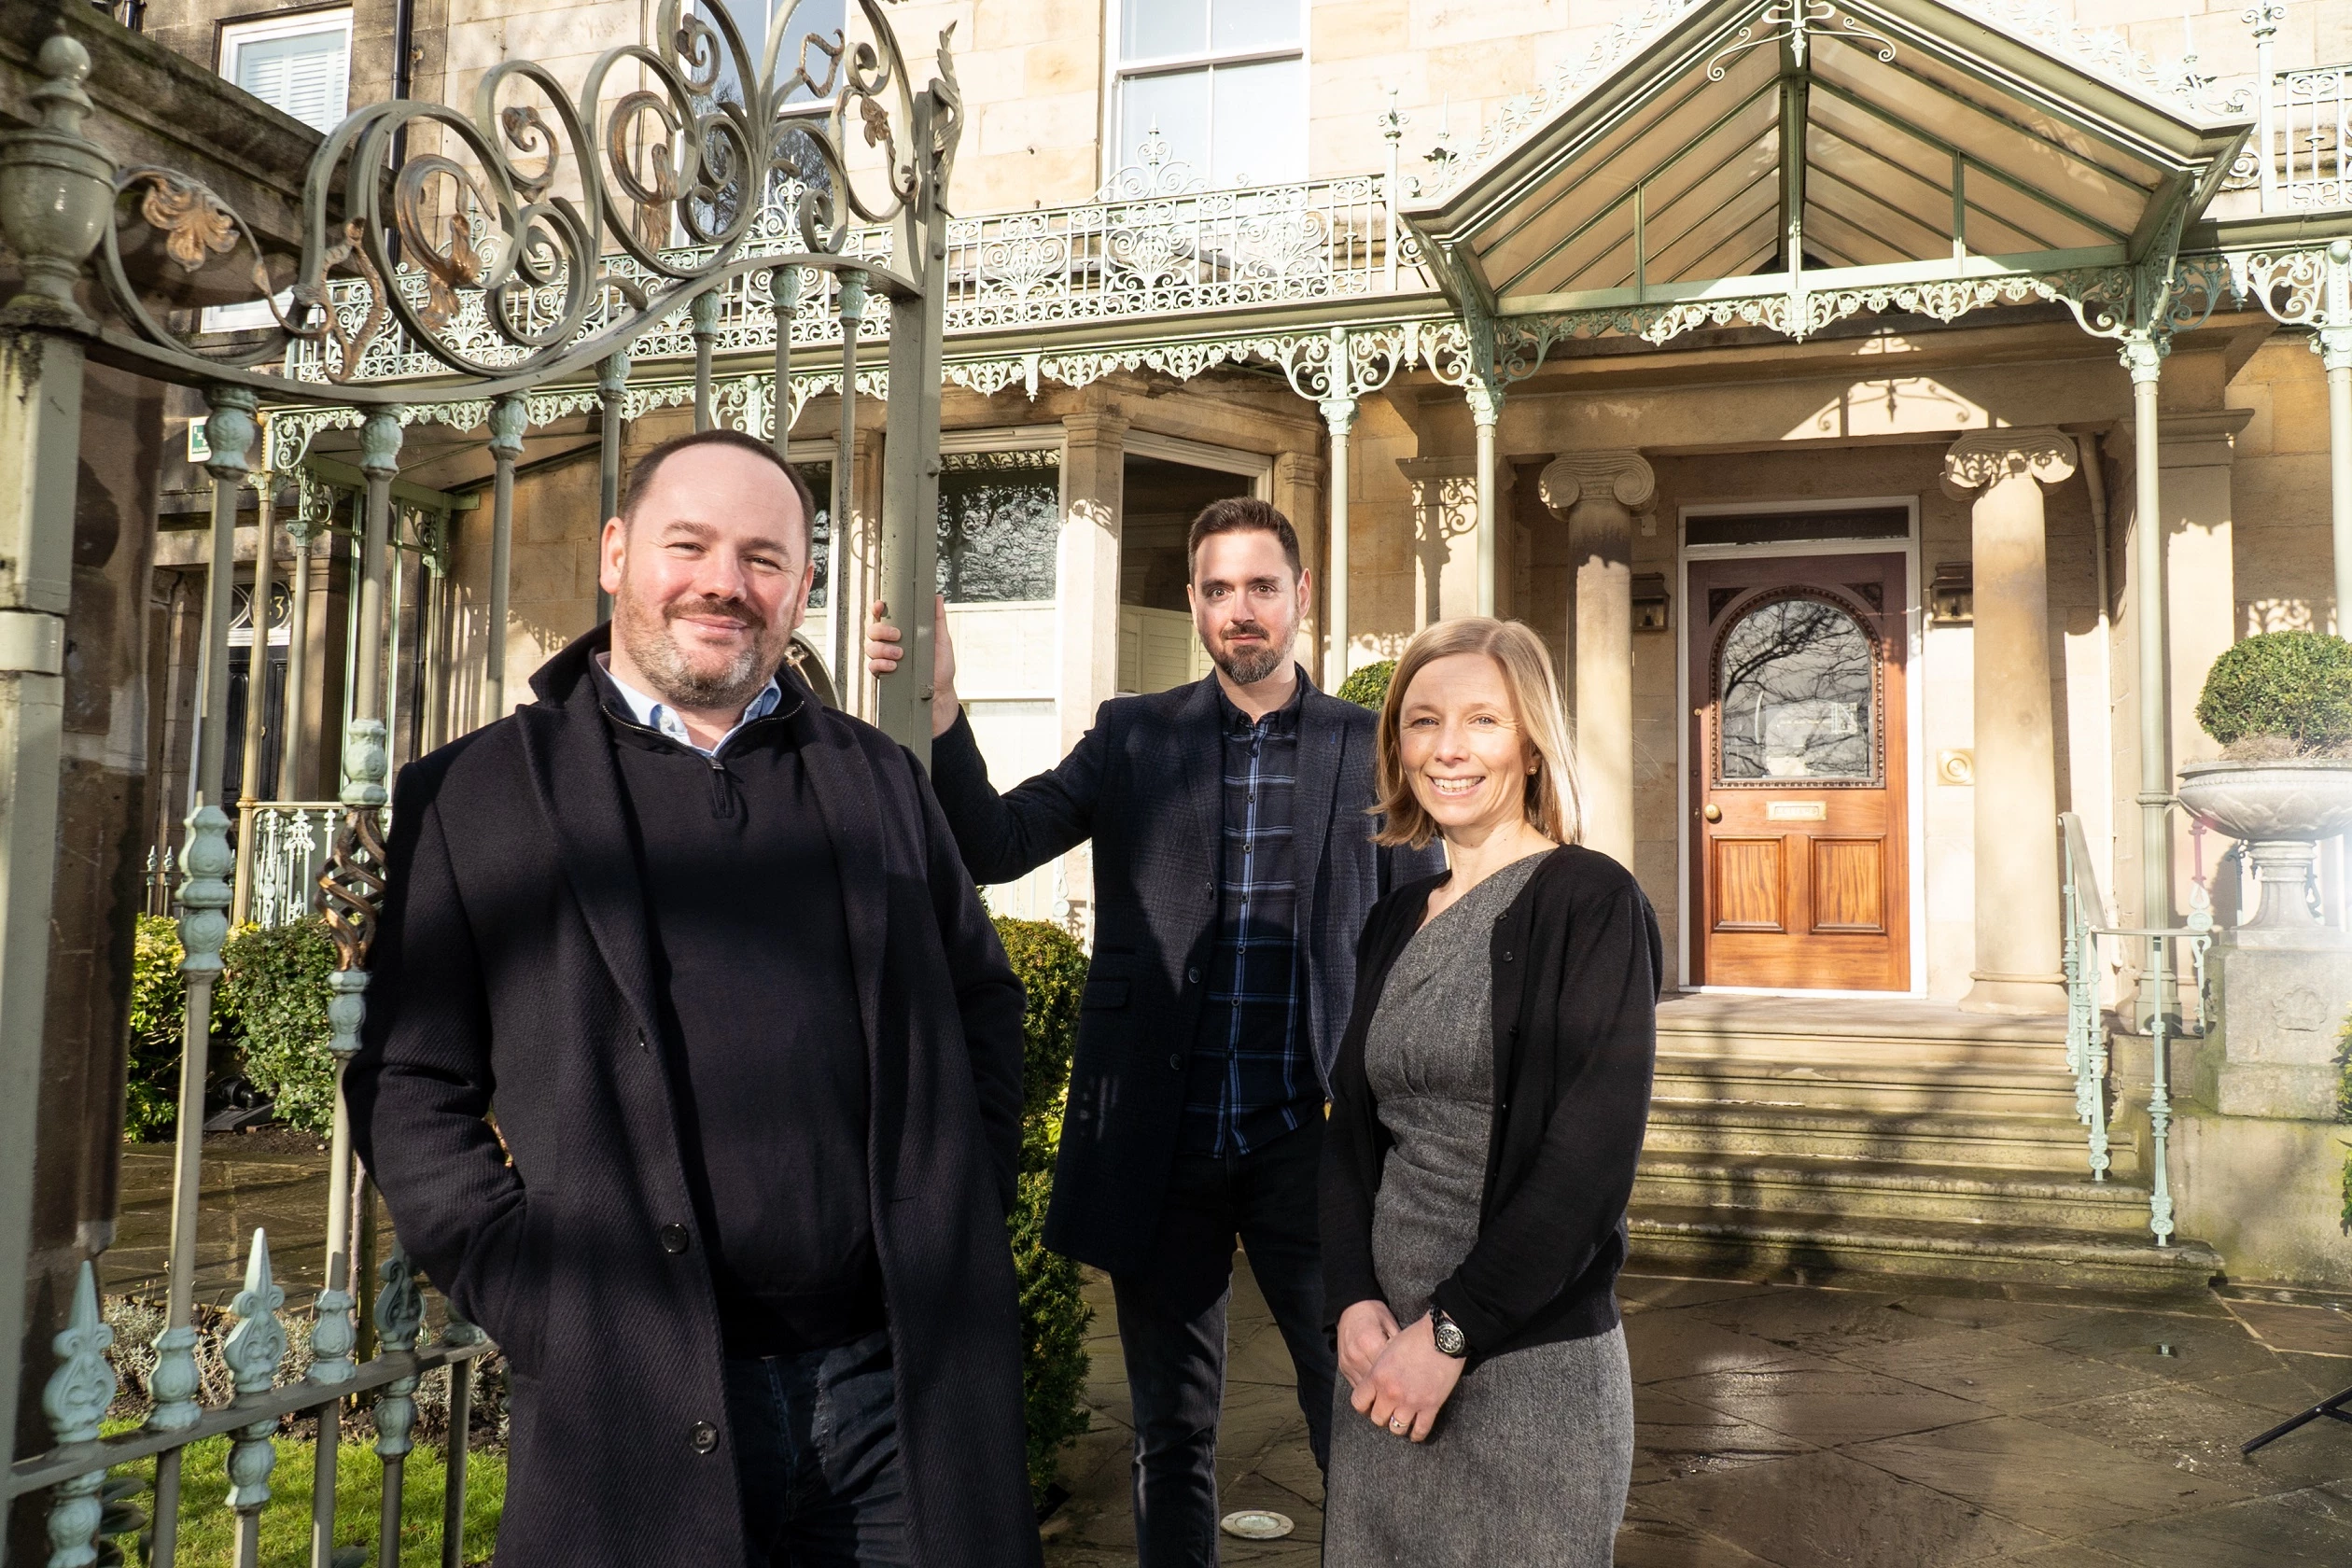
{"x": 1297, "y": 467}
{"x": 1980, "y": 459}
{"x": 1623, "y": 475}
{"x": 1095, "y": 426}
{"x": 1338, "y": 414}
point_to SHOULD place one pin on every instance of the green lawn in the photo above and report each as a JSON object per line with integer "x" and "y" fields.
{"x": 208, "y": 1528}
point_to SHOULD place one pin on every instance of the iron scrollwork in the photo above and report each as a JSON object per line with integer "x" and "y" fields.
{"x": 533, "y": 232}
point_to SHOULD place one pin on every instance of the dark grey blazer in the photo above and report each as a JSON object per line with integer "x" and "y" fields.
{"x": 1144, "y": 785}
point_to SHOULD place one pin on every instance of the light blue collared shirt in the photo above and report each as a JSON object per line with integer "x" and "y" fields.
{"x": 657, "y": 715}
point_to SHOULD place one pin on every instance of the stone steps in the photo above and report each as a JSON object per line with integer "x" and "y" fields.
{"x": 1898, "y": 1137}
{"x": 1716, "y": 1239}
{"x": 2047, "y": 1146}
{"x": 1890, "y": 1190}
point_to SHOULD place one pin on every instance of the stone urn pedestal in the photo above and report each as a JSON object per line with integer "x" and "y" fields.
{"x": 2282, "y": 982}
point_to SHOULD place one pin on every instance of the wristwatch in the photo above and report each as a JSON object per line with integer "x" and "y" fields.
{"x": 1452, "y": 1341}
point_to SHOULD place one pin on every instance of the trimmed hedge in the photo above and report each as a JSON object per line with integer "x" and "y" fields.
{"x": 269, "y": 1022}
{"x": 1368, "y": 687}
{"x": 1054, "y": 1316}
{"x": 158, "y": 1007}
{"x": 275, "y": 993}
{"x": 2293, "y": 688}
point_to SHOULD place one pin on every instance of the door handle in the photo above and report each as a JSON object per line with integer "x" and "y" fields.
{"x": 1712, "y": 812}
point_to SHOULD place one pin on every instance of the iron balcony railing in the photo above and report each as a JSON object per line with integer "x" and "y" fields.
{"x": 1153, "y": 242}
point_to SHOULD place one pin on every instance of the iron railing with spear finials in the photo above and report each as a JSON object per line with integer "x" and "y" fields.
{"x": 508, "y": 244}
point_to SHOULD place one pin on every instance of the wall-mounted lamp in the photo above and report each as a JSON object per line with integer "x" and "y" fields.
{"x": 1650, "y": 603}
{"x": 1951, "y": 593}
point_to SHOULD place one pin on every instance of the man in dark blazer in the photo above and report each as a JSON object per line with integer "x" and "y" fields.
{"x": 707, "y": 952}
{"x": 1233, "y": 870}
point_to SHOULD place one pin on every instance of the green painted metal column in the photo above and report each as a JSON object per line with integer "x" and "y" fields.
{"x": 56, "y": 193}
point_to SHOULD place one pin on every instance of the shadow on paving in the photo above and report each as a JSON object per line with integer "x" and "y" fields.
{"x": 1888, "y": 1425}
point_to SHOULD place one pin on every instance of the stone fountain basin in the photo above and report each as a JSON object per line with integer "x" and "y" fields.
{"x": 2303, "y": 799}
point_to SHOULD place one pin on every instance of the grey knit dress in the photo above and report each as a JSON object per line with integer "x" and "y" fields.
{"x": 1529, "y": 1462}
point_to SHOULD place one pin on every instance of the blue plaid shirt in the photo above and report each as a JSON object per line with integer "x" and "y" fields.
{"x": 1250, "y": 1079}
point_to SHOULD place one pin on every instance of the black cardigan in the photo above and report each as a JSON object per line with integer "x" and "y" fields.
{"x": 1576, "y": 961}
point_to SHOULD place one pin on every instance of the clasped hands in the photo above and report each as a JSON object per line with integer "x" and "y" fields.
{"x": 1398, "y": 1378}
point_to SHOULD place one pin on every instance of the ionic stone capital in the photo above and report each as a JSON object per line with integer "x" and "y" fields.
{"x": 1982, "y": 459}
{"x": 1622, "y": 476}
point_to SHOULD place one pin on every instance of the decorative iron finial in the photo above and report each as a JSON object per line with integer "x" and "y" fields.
{"x": 256, "y": 1345}
{"x": 400, "y": 1313}
{"x": 76, "y": 1400}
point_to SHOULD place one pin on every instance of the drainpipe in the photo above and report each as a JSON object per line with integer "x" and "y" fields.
{"x": 2094, "y": 478}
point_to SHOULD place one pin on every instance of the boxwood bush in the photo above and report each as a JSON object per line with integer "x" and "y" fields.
{"x": 1368, "y": 687}
{"x": 274, "y": 993}
{"x": 1054, "y": 1312}
{"x": 2281, "y": 695}
{"x": 269, "y": 1022}
{"x": 159, "y": 1005}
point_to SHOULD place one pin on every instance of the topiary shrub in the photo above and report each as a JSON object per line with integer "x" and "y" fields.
{"x": 1368, "y": 687}
{"x": 275, "y": 991}
{"x": 1052, "y": 967}
{"x": 2281, "y": 695}
{"x": 159, "y": 1009}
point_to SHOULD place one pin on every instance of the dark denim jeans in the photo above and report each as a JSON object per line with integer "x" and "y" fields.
{"x": 816, "y": 1443}
{"x": 1172, "y": 1329}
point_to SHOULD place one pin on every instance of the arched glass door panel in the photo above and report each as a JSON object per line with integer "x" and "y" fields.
{"x": 1795, "y": 684}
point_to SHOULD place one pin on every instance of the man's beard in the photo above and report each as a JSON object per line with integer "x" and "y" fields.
{"x": 645, "y": 632}
{"x": 1247, "y": 666}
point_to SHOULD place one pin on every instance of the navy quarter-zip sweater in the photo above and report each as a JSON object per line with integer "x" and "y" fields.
{"x": 759, "y": 1012}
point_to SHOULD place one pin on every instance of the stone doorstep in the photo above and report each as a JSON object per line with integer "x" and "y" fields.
{"x": 1919, "y": 1249}
{"x": 1867, "y": 1087}
{"x": 2053, "y": 1145}
{"x": 1898, "y": 1021}
{"x": 1889, "y": 1189}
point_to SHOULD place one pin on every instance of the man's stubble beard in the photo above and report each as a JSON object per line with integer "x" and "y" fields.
{"x": 1249, "y": 668}
{"x": 645, "y": 632}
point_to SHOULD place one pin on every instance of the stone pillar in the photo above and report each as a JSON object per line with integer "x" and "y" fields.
{"x": 1086, "y": 565}
{"x": 1598, "y": 494}
{"x": 2017, "y": 871}
{"x": 1486, "y": 412}
{"x": 1298, "y": 496}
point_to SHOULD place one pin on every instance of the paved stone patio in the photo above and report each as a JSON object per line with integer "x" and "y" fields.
{"x": 1885, "y": 1426}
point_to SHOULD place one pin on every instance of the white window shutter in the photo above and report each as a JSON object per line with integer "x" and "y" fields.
{"x": 307, "y": 75}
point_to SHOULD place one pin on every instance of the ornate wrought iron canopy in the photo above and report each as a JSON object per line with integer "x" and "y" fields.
{"x": 1804, "y": 146}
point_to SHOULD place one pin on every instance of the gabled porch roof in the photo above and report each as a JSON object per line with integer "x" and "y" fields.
{"x": 1877, "y": 140}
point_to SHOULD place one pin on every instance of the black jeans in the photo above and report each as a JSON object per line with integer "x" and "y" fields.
{"x": 1172, "y": 1328}
{"x": 815, "y": 1442}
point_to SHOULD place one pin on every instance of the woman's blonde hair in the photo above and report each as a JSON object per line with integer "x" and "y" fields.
{"x": 1551, "y": 800}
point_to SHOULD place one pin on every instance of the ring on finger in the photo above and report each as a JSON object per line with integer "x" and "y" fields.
{"x": 1396, "y": 1423}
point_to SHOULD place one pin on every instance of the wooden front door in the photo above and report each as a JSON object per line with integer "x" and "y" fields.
{"x": 1800, "y": 864}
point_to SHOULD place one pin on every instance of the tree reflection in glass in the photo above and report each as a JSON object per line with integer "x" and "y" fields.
{"x": 1795, "y": 693}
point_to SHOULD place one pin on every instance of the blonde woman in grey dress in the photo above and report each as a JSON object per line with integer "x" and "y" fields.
{"x": 1487, "y": 1108}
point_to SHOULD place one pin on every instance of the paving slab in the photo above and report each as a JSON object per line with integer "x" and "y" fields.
{"x": 1818, "y": 1509}
{"x": 2295, "y": 1528}
{"x": 2057, "y": 1482}
{"x": 1996, "y": 1369}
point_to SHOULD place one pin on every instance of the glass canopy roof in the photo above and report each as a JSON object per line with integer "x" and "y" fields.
{"x": 1887, "y": 135}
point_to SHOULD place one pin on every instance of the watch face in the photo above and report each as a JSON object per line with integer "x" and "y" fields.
{"x": 1449, "y": 1337}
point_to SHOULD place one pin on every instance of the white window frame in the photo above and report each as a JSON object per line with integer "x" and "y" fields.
{"x": 1117, "y": 70}
{"x": 235, "y": 37}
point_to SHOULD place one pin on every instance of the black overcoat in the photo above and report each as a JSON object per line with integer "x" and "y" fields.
{"x": 512, "y": 971}
{"x": 1146, "y": 785}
